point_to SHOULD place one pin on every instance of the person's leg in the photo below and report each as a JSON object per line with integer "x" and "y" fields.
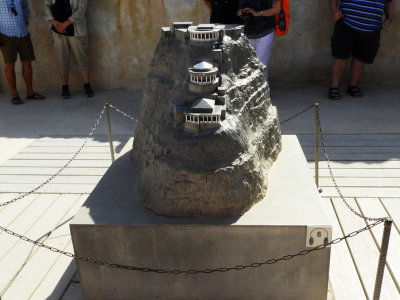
{"x": 64, "y": 76}
{"x": 252, "y": 43}
{"x": 85, "y": 76}
{"x": 9, "y": 49}
{"x": 342, "y": 43}
{"x": 337, "y": 70}
{"x": 27, "y": 55}
{"x": 63, "y": 53}
{"x": 11, "y": 78}
{"x": 79, "y": 47}
{"x": 263, "y": 50}
{"x": 365, "y": 50}
{"x": 357, "y": 67}
{"x": 65, "y": 93}
{"x": 27, "y": 74}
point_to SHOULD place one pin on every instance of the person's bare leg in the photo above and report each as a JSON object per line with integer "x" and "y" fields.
{"x": 86, "y": 76}
{"x": 27, "y": 74}
{"x": 64, "y": 75}
{"x": 86, "y": 84}
{"x": 11, "y": 79}
{"x": 357, "y": 67}
{"x": 337, "y": 70}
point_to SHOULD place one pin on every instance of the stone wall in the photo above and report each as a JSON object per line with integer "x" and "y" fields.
{"x": 124, "y": 33}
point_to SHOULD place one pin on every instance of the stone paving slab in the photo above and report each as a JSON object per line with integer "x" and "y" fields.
{"x": 33, "y": 272}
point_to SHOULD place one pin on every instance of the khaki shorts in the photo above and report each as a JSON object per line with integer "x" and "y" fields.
{"x": 65, "y": 45}
{"x": 12, "y": 46}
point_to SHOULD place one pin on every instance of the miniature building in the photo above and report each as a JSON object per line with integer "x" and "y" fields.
{"x": 209, "y": 110}
{"x": 203, "y": 78}
{"x": 181, "y": 25}
{"x": 204, "y": 33}
{"x": 203, "y": 73}
{"x": 202, "y": 115}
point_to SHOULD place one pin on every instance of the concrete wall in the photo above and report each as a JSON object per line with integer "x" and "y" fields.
{"x": 124, "y": 33}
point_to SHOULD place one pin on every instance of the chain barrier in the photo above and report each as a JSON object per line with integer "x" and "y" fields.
{"x": 122, "y": 113}
{"x": 91, "y": 132}
{"x": 190, "y": 271}
{"x": 334, "y": 180}
{"x": 296, "y": 115}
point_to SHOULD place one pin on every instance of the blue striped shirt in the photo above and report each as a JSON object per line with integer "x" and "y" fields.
{"x": 11, "y": 24}
{"x": 363, "y": 15}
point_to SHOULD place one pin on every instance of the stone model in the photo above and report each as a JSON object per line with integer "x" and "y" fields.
{"x": 207, "y": 132}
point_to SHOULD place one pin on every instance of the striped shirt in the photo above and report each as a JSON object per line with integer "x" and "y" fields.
{"x": 363, "y": 15}
{"x": 11, "y": 24}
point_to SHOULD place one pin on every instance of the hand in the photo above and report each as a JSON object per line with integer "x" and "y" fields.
{"x": 60, "y": 28}
{"x": 55, "y": 22}
{"x": 63, "y": 27}
{"x": 337, "y": 15}
{"x": 386, "y": 24}
{"x": 245, "y": 12}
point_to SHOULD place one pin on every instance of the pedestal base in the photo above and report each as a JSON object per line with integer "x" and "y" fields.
{"x": 114, "y": 228}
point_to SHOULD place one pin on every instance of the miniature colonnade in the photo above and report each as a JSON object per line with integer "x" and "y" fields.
{"x": 203, "y": 79}
{"x": 205, "y": 119}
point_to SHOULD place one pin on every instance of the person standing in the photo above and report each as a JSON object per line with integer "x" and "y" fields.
{"x": 15, "y": 40}
{"x": 67, "y": 19}
{"x": 357, "y": 35}
{"x": 224, "y": 11}
{"x": 259, "y": 25}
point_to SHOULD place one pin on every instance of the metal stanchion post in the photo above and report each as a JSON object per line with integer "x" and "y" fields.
{"x": 316, "y": 159}
{"x": 382, "y": 259}
{"x": 109, "y": 132}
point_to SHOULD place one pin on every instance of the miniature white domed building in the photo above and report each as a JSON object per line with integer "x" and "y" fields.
{"x": 203, "y": 73}
{"x": 204, "y": 33}
{"x": 203, "y": 78}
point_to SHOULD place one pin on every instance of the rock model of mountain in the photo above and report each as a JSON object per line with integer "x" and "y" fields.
{"x": 207, "y": 133}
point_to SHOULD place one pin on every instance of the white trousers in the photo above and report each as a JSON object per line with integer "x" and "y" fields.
{"x": 263, "y": 47}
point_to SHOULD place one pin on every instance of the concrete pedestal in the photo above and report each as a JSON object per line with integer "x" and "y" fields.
{"x": 114, "y": 228}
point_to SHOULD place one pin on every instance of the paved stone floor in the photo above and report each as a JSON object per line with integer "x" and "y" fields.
{"x": 37, "y": 138}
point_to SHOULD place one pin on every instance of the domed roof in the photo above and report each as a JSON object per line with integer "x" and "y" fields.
{"x": 203, "y": 67}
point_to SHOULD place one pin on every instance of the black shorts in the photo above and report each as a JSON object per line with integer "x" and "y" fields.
{"x": 347, "y": 42}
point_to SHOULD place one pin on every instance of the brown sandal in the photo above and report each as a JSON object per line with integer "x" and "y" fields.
{"x": 16, "y": 100}
{"x": 35, "y": 96}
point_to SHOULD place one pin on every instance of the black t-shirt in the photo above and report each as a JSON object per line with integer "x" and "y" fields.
{"x": 225, "y": 12}
{"x": 257, "y": 27}
{"x": 61, "y": 11}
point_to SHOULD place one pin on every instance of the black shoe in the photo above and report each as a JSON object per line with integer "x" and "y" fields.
{"x": 65, "y": 92}
{"x": 88, "y": 90}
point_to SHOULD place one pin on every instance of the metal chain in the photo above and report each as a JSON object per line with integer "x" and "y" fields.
{"x": 130, "y": 117}
{"x": 91, "y": 132}
{"x": 190, "y": 271}
{"x": 334, "y": 180}
{"x": 296, "y": 115}
{"x": 122, "y": 113}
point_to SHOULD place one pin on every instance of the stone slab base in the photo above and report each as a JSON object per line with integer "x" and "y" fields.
{"x": 112, "y": 227}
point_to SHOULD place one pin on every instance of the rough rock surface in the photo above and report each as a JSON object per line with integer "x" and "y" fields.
{"x": 219, "y": 173}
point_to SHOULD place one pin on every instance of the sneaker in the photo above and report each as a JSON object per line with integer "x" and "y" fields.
{"x": 65, "y": 92}
{"x": 88, "y": 90}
